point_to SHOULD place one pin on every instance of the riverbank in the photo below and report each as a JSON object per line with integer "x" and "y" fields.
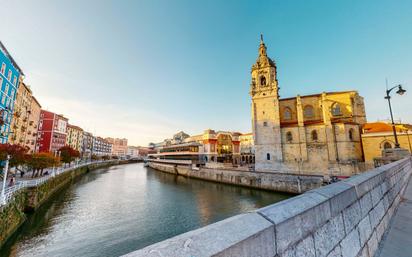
{"x": 28, "y": 199}
{"x": 286, "y": 183}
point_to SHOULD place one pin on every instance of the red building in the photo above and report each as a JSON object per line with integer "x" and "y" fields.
{"x": 52, "y": 131}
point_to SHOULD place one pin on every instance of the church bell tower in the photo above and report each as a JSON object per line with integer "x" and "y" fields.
{"x": 265, "y": 112}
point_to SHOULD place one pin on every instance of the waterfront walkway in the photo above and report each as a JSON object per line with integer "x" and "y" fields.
{"x": 398, "y": 240}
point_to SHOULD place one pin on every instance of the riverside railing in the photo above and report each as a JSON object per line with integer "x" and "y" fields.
{"x": 10, "y": 191}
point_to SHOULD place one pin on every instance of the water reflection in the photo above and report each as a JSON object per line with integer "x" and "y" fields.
{"x": 113, "y": 211}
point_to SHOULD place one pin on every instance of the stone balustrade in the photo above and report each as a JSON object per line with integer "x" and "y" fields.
{"x": 345, "y": 219}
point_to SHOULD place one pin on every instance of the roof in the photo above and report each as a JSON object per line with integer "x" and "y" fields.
{"x": 320, "y": 94}
{"x": 375, "y": 127}
{"x": 3, "y": 48}
{"x": 74, "y": 127}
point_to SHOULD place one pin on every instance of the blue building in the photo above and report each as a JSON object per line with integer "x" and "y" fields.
{"x": 10, "y": 74}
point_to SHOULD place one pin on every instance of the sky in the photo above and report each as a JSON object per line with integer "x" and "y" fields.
{"x": 145, "y": 70}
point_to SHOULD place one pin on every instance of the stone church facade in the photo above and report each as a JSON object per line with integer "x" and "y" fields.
{"x": 311, "y": 134}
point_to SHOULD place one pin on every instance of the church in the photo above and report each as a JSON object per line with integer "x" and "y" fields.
{"x": 308, "y": 134}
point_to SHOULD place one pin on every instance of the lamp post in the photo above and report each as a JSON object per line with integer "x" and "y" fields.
{"x": 6, "y": 168}
{"x": 400, "y": 91}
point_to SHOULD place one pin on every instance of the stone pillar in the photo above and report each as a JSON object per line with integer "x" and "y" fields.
{"x": 329, "y": 131}
{"x": 302, "y": 130}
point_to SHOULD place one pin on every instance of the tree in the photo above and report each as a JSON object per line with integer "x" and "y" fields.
{"x": 68, "y": 154}
{"x": 18, "y": 154}
{"x": 40, "y": 161}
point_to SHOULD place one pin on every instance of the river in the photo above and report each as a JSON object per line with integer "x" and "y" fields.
{"x": 113, "y": 211}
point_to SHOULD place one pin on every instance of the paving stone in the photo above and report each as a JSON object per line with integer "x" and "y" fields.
{"x": 306, "y": 248}
{"x": 340, "y": 195}
{"x": 364, "y": 252}
{"x": 296, "y": 218}
{"x": 376, "y": 195}
{"x": 365, "y": 230}
{"x": 350, "y": 244}
{"x": 351, "y": 216}
{"x": 372, "y": 244}
{"x": 365, "y": 204}
{"x": 376, "y": 214}
{"x": 337, "y": 252}
{"x": 329, "y": 235}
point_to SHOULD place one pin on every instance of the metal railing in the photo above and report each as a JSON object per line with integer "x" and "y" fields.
{"x": 9, "y": 192}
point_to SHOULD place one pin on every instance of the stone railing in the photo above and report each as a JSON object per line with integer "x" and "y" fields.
{"x": 345, "y": 219}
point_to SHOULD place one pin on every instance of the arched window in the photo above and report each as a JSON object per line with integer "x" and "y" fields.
{"x": 289, "y": 136}
{"x": 287, "y": 114}
{"x": 314, "y": 135}
{"x": 268, "y": 156}
{"x": 262, "y": 81}
{"x": 308, "y": 111}
{"x": 336, "y": 109}
{"x": 387, "y": 145}
{"x": 351, "y": 134}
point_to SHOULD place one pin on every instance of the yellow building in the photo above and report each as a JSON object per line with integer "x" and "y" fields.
{"x": 314, "y": 134}
{"x": 25, "y": 120}
{"x": 247, "y": 149}
{"x": 378, "y": 136}
{"x": 74, "y": 137}
{"x": 32, "y": 127}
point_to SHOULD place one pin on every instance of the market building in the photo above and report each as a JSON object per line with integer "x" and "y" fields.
{"x": 52, "y": 131}
{"x": 10, "y": 77}
{"x": 311, "y": 134}
{"x": 378, "y": 136}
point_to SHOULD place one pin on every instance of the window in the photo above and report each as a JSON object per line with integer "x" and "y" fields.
{"x": 336, "y": 110}
{"x": 351, "y": 134}
{"x": 6, "y": 89}
{"x": 314, "y": 135}
{"x": 308, "y": 111}
{"x": 1, "y": 82}
{"x": 15, "y": 81}
{"x": 10, "y": 75}
{"x": 265, "y": 124}
{"x": 262, "y": 81}
{"x": 387, "y": 145}
{"x": 287, "y": 114}
{"x": 3, "y": 68}
{"x": 289, "y": 136}
{"x": 268, "y": 156}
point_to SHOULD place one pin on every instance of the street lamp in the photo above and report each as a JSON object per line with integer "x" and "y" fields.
{"x": 3, "y": 195}
{"x": 400, "y": 91}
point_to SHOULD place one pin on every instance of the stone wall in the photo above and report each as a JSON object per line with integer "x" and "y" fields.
{"x": 346, "y": 219}
{"x": 280, "y": 182}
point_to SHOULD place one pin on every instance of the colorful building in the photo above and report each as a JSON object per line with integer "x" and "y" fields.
{"x": 33, "y": 125}
{"x": 378, "y": 136}
{"x": 52, "y": 131}
{"x": 74, "y": 137}
{"x": 21, "y": 113}
{"x": 312, "y": 134}
{"x": 10, "y": 77}
{"x": 119, "y": 146}
{"x": 87, "y": 144}
{"x": 101, "y": 146}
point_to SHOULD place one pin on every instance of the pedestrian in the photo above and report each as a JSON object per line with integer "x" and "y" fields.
{"x": 11, "y": 181}
{"x": 22, "y": 174}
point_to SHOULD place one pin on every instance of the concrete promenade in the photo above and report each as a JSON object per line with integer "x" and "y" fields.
{"x": 398, "y": 241}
